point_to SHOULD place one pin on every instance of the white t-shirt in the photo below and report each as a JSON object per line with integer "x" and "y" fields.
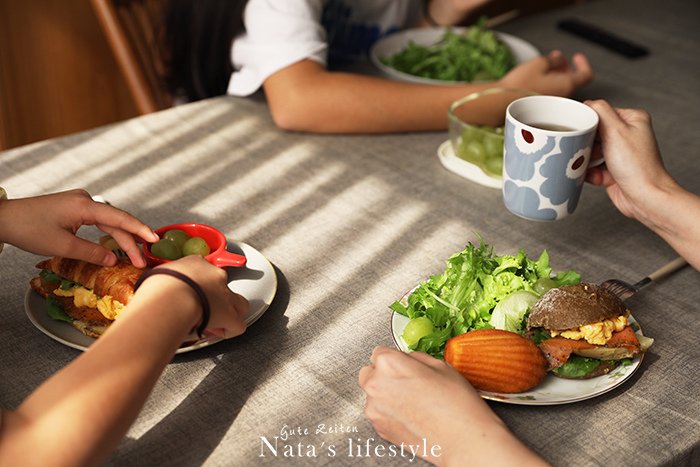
{"x": 280, "y": 33}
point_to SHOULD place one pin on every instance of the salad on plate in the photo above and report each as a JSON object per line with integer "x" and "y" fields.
{"x": 477, "y": 290}
{"x": 519, "y": 332}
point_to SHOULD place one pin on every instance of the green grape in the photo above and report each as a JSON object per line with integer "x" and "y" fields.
{"x": 109, "y": 243}
{"x": 494, "y": 147}
{"x": 471, "y": 133}
{"x": 166, "y": 249}
{"x": 494, "y": 166}
{"x": 474, "y": 152}
{"x": 416, "y": 329}
{"x": 195, "y": 246}
{"x": 177, "y": 236}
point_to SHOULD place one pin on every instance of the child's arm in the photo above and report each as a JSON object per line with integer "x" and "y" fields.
{"x": 306, "y": 97}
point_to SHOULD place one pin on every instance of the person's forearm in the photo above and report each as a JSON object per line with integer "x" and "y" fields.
{"x": 80, "y": 414}
{"x": 674, "y": 215}
{"x": 450, "y": 12}
{"x": 496, "y": 447}
{"x": 311, "y": 99}
{"x": 496, "y": 444}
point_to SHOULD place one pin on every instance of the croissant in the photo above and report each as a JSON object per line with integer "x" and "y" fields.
{"x": 117, "y": 281}
{"x": 101, "y": 292}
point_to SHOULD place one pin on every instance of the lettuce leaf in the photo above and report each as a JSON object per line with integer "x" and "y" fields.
{"x": 50, "y": 277}
{"x": 576, "y": 367}
{"x": 55, "y": 310}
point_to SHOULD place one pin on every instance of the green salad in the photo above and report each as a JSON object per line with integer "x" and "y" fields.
{"x": 475, "y": 55}
{"x": 477, "y": 290}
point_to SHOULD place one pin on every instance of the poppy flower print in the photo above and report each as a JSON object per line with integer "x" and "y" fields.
{"x": 564, "y": 173}
{"x": 531, "y": 143}
{"x": 525, "y": 199}
{"x": 544, "y": 167}
{"x": 546, "y": 183}
{"x": 530, "y": 147}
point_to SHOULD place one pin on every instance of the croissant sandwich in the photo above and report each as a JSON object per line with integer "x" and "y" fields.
{"x": 88, "y": 296}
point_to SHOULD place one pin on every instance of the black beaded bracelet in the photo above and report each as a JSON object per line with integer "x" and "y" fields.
{"x": 206, "y": 312}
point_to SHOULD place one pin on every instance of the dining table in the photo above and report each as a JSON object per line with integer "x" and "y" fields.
{"x": 339, "y": 227}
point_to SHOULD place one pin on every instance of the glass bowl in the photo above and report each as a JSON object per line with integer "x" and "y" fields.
{"x": 476, "y": 124}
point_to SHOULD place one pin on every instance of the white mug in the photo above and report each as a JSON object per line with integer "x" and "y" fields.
{"x": 547, "y": 149}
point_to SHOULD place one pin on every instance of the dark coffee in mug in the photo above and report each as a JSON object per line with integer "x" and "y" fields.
{"x": 552, "y": 127}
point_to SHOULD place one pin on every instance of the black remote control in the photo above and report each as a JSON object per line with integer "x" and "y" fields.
{"x": 604, "y": 38}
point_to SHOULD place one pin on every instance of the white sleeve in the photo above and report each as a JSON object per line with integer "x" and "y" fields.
{"x": 278, "y": 33}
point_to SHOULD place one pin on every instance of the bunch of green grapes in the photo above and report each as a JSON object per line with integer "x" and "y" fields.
{"x": 176, "y": 244}
{"x": 483, "y": 146}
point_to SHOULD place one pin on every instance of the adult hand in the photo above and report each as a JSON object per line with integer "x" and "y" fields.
{"x": 402, "y": 390}
{"x": 228, "y": 309}
{"x": 633, "y": 168}
{"x": 550, "y": 74}
{"x": 638, "y": 183}
{"x": 47, "y": 225}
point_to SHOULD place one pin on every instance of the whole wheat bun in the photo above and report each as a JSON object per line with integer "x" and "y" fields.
{"x": 571, "y": 306}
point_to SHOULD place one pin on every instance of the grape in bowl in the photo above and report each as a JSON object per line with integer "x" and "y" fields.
{"x": 179, "y": 240}
{"x": 476, "y": 124}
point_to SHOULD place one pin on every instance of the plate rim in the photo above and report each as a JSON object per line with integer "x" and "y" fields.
{"x": 523, "y": 398}
{"x": 250, "y": 319}
{"x": 465, "y": 169}
{"x": 529, "y": 51}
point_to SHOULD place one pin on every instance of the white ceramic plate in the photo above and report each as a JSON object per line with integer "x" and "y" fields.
{"x": 395, "y": 43}
{"x": 257, "y": 282}
{"x": 465, "y": 169}
{"x": 552, "y": 390}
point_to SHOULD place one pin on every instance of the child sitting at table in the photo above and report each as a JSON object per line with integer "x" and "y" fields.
{"x": 287, "y": 45}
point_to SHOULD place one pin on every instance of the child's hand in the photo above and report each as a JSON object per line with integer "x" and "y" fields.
{"x": 550, "y": 74}
{"x": 47, "y": 224}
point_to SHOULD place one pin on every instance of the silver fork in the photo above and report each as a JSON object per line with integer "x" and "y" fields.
{"x": 625, "y": 290}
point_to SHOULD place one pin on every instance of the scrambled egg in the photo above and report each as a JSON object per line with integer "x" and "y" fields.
{"x": 596, "y": 333}
{"x": 106, "y": 305}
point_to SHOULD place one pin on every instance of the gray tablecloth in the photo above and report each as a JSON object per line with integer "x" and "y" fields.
{"x": 351, "y": 223}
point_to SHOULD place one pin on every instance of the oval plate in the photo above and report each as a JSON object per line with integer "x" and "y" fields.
{"x": 552, "y": 390}
{"x": 466, "y": 169}
{"x": 257, "y": 282}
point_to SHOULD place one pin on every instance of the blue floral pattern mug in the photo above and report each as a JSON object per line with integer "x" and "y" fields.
{"x": 547, "y": 149}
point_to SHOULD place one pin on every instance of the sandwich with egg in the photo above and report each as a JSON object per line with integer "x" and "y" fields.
{"x": 88, "y": 296}
{"x": 584, "y": 331}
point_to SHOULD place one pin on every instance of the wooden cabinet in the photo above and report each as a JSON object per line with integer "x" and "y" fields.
{"x": 57, "y": 73}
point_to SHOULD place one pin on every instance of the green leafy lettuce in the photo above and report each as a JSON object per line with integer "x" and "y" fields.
{"x": 55, "y": 310}
{"x": 463, "y": 297}
{"x": 578, "y": 367}
{"x": 53, "y": 307}
{"x": 475, "y": 55}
